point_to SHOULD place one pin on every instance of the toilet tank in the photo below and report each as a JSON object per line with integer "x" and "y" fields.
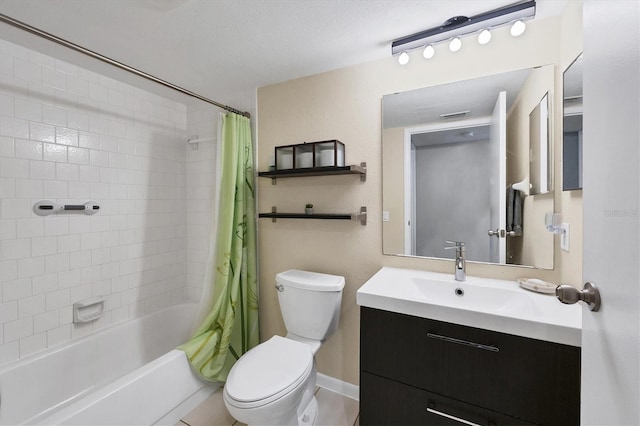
{"x": 310, "y": 302}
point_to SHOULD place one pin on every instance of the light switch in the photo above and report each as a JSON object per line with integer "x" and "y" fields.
{"x": 385, "y": 216}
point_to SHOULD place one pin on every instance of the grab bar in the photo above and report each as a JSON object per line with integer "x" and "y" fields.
{"x": 46, "y": 208}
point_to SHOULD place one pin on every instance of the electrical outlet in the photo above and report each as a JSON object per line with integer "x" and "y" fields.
{"x": 564, "y": 237}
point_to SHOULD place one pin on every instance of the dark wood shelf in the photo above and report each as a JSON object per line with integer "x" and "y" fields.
{"x": 318, "y": 171}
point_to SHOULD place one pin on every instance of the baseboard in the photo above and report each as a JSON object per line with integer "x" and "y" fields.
{"x": 338, "y": 386}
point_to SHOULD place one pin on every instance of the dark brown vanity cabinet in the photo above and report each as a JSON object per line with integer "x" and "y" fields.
{"x": 417, "y": 371}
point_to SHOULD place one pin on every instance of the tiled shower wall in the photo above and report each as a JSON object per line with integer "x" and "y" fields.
{"x": 70, "y": 135}
{"x": 202, "y": 122}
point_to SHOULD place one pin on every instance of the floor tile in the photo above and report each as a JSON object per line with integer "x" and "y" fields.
{"x": 211, "y": 412}
{"x": 335, "y": 409}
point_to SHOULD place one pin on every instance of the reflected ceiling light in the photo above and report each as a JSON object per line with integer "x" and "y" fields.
{"x": 455, "y": 44}
{"x": 484, "y": 37}
{"x": 518, "y": 28}
{"x": 459, "y": 26}
{"x": 428, "y": 52}
{"x": 403, "y": 59}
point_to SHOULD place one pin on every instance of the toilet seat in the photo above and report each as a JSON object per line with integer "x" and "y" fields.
{"x": 268, "y": 372}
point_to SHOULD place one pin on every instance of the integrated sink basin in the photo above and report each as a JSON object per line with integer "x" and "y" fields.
{"x": 491, "y": 304}
{"x": 471, "y": 297}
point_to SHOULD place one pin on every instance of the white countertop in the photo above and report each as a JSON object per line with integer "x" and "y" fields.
{"x": 487, "y": 303}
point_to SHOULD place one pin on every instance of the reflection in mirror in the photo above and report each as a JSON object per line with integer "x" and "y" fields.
{"x": 539, "y": 161}
{"x": 450, "y": 156}
{"x": 572, "y": 127}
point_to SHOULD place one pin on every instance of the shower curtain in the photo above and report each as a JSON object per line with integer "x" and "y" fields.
{"x": 230, "y": 328}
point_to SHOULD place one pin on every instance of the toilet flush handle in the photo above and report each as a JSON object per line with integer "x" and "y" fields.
{"x": 279, "y": 287}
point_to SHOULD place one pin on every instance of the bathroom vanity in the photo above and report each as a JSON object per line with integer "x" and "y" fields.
{"x": 437, "y": 351}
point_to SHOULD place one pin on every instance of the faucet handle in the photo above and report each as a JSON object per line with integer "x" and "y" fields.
{"x": 457, "y": 245}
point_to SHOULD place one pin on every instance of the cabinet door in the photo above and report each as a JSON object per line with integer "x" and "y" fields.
{"x": 525, "y": 378}
{"x": 385, "y": 402}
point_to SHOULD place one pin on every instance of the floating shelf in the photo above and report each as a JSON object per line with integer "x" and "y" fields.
{"x": 362, "y": 216}
{"x": 318, "y": 171}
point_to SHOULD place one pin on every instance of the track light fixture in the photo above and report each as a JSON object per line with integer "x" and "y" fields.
{"x": 455, "y": 44}
{"x": 459, "y": 26}
{"x": 484, "y": 37}
{"x": 518, "y": 27}
{"x": 403, "y": 59}
{"x": 428, "y": 52}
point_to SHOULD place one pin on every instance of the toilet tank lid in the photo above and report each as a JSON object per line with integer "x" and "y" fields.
{"x": 313, "y": 281}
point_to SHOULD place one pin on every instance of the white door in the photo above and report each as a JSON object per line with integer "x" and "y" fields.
{"x": 498, "y": 183}
{"x": 611, "y": 337}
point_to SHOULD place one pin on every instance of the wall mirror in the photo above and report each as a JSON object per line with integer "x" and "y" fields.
{"x": 539, "y": 150}
{"x": 572, "y": 126}
{"x": 456, "y": 167}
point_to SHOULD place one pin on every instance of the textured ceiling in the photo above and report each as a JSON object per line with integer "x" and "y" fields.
{"x": 426, "y": 105}
{"x": 220, "y": 48}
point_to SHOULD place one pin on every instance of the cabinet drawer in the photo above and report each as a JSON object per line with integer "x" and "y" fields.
{"x": 525, "y": 378}
{"x": 385, "y": 402}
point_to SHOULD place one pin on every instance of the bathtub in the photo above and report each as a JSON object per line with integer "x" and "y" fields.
{"x": 129, "y": 374}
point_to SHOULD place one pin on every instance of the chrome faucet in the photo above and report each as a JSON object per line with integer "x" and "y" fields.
{"x": 460, "y": 265}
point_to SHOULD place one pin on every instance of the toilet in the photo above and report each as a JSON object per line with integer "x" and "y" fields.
{"x": 274, "y": 383}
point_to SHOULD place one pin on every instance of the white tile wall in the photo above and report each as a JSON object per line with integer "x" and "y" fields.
{"x": 202, "y": 121}
{"x": 70, "y": 135}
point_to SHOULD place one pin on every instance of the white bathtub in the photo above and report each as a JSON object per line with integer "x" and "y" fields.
{"x": 130, "y": 374}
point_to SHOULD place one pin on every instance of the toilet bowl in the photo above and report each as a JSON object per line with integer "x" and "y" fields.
{"x": 269, "y": 381}
{"x": 274, "y": 383}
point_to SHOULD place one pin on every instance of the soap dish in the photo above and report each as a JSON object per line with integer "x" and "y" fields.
{"x": 537, "y": 285}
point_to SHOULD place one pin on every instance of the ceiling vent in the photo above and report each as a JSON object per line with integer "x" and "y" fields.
{"x": 454, "y": 115}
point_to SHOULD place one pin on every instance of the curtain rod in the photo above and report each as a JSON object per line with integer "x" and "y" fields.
{"x": 40, "y": 33}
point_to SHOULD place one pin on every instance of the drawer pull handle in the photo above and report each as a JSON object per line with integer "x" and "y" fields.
{"x": 463, "y": 342}
{"x": 449, "y": 416}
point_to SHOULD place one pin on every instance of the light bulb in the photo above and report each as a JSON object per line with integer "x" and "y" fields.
{"x": 484, "y": 37}
{"x": 428, "y": 52}
{"x": 518, "y": 28}
{"x": 455, "y": 44}
{"x": 403, "y": 59}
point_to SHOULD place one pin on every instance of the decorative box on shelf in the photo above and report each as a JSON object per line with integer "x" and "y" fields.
{"x": 310, "y": 155}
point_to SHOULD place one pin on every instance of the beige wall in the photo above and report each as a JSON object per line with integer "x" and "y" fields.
{"x": 346, "y": 104}
{"x": 393, "y": 230}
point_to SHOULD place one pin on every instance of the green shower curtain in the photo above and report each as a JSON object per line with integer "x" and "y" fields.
{"x": 231, "y": 328}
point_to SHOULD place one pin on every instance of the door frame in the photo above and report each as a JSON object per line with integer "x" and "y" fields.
{"x": 409, "y": 170}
